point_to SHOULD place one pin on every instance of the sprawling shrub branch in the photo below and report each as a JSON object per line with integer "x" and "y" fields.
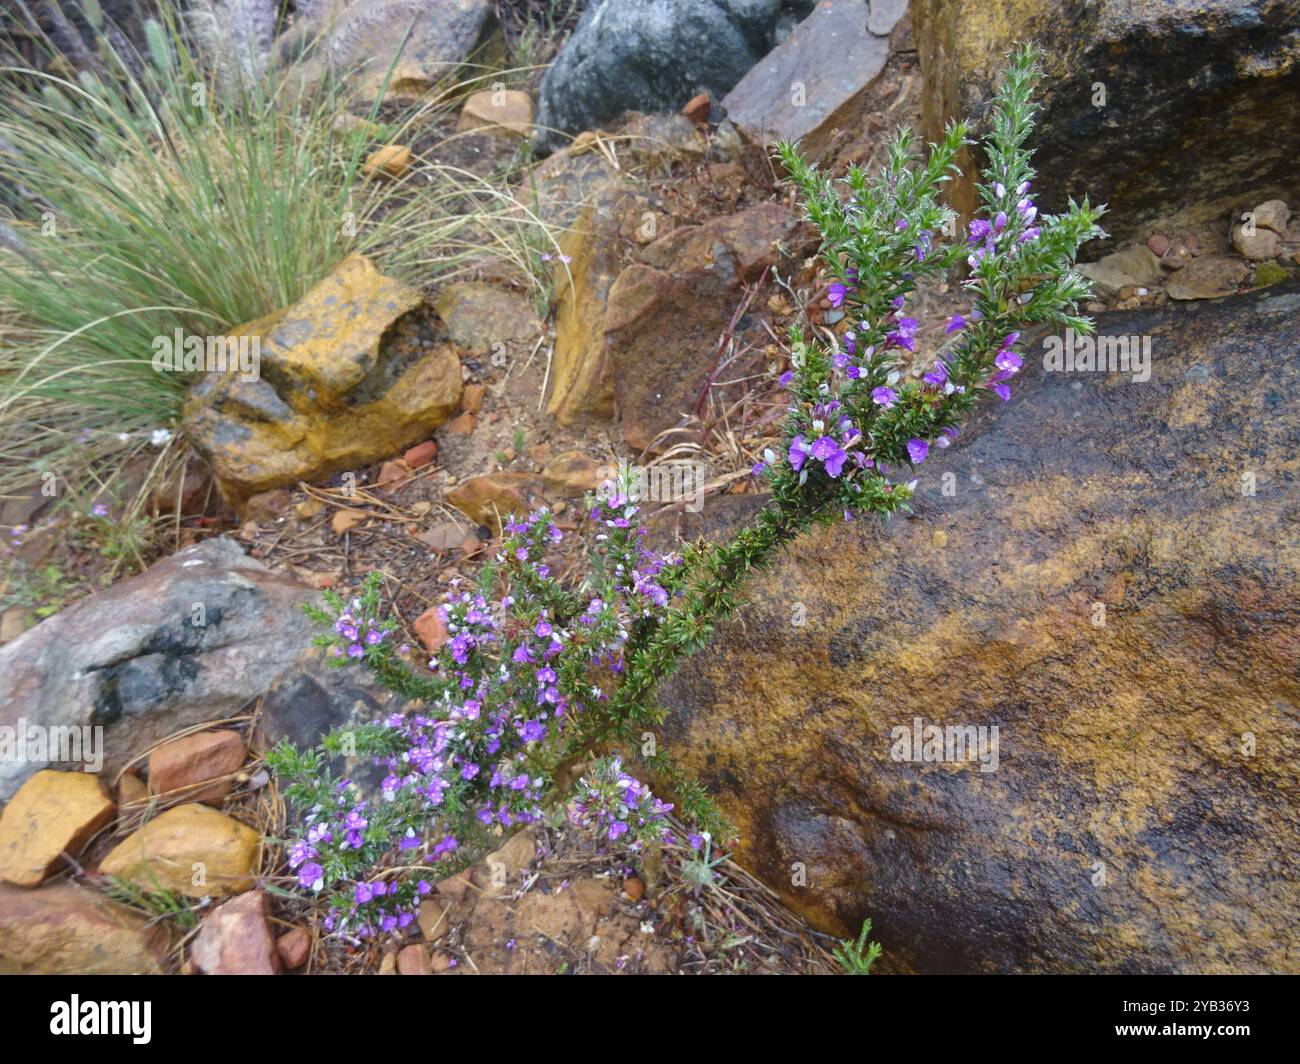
{"x": 537, "y": 678}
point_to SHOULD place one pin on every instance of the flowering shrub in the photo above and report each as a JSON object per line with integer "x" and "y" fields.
{"x": 536, "y": 678}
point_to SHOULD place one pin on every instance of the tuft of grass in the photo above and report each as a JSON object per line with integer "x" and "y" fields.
{"x": 159, "y": 905}
{"x": 145, "y": 193}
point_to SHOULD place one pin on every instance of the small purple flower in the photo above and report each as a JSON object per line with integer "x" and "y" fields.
{"x": 955, "y": 323}
{"x": 883, "y": 396}
{"x": 798, "y": 452}
{"x": 99, "y": 510}
{"x": 836, "y": 294}
{"x": 785, "y": 378}
{"x": 937, "y": 376}
{"x": 828, "y": 451}
{"x": 917, "y": 450}
{"x": 311, "y": 876}
{"x": 1008, "y": 361}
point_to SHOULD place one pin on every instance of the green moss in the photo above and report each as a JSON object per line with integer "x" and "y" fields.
{"x": 1267, "y": 273}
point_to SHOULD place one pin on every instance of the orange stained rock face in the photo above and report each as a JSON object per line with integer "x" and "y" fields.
{"x": 1108, "y": 593}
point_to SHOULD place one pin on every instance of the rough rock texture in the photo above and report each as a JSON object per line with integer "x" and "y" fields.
{"x": 197, "y": 768}
{"x": 485, "y": 319}
{"x": 65, "y": 929}
{"x": 653, "y": 55}
{"x": 815, "y": 82}
{"x": 491, "y": 498}
{"x": 1145, "y": 812}
{"x": 1208, "y": 277}
{"x": 352, "y": 373}
{"x": 236, "y": 939}
{"x": 52, "y": 813}
{"x": 310, "y": 699}
{"x": 580, "y": 191}
{"x": 361, "y": 38}
{"x": 1133, "y": 266}
{"x": 1202, "y": 98}
{"x": 667, "y": 310}
{"x": 131, "y": 659}
{"x": 190, "y": 849}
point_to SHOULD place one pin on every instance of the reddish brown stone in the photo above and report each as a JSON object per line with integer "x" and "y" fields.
{"x": 412, "y": 960}
{"x": 177, "y": 768}
{"x": 697, "y": 108}
{"x": 236, "y": 939}
{"x": 421, "y": 454}
{"x": 294, "y": 947}
{"x": 472, "y": 398}
{"x": 431, "y": 630}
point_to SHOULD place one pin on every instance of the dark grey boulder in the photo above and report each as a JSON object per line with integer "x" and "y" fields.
{"x": 654, "y": 55}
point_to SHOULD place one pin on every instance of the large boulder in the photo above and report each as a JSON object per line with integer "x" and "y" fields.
{"x": 654, "y": 55}
{"x": 1104, "y": 570}
{"x": 195, "y": 638}
{"x": 354, "y": 372}
{"x": 1186, "y": 108}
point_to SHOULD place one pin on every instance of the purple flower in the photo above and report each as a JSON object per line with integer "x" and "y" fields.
{"x": 956, "y": 322}
{"x": 979, "y": 229}
{"x": 798, "y": 452}
{"x": 883, "y": 396}
{"x": 904, "y": 335}
{"x": 785, "y": 378}
{"x": 836, "y": 294}
{"x": 99, "y": 510}
{"x": 828, "y": 451}
{"x": 917, "y": 450}
{"x": 1008, "y": 361}
{"x": 938, "y": 375}
{"x": 311, "y": 876}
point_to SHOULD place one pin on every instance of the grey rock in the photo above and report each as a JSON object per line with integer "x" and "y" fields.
{"x": 361, "y": 38}
{"x": 652, "y": 55}
{"x": 814, "y": 81}
{"x": 1207, "y": 278}
{"x": 132, "y": 660}
{"x": 1258, "y": 244}
{"x": 1273, "y": 214}
{"x": 1136, "y": 266}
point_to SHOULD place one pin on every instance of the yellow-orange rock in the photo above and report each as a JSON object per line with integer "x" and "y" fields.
{"x": 392, "y": 160}
{"x": 191, "y": 849}
{"x": 490, "y": 499}
{"x": 352, "y": 374}
{"x": 576, "y": 473}
{"x": 66, "y": 929}
{"x": 52, "y": 813}
{"x": 498, "y": 110}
